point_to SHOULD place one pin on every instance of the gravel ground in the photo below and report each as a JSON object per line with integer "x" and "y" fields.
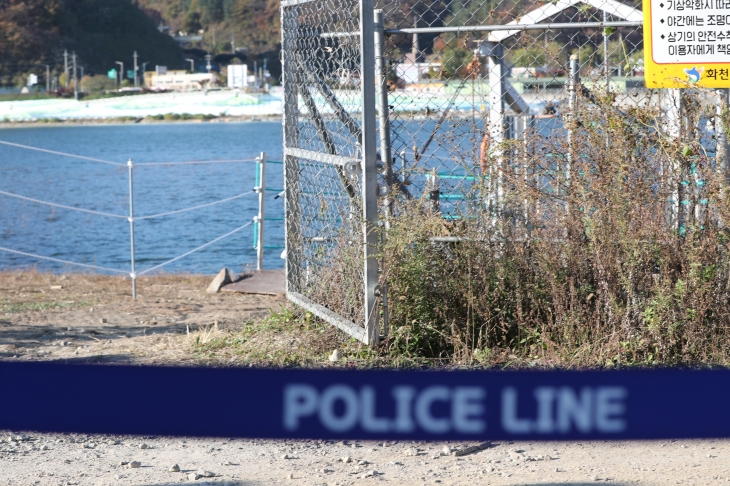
{"x": 92, "y": 319}
{"x": 48, "y": 459}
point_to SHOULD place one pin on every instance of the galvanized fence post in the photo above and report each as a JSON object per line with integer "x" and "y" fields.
{"x": 573, "y": 85}
{"x": 259, "y": 223}
{"x": 133, "y": 274}
{"x": 385, "y": 147}
{"x": 369, "y": 171}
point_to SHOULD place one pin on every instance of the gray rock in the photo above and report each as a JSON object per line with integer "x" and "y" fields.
{"x": 412, "y": 451}
{"x": 446, "y": 450}
{"x": 290, "y": 476}
{"x": 205, "y": 474}
{"x": 369, "y": 474}
{"x": 44, "y": 447}
{"x": 135, "y": 464}
{"x": 346, "y": 459}
{"x": 193, "y": 477}
{"x": 335, "y": 356}
{"x": 144, "y": 446}
{"x": 174, "y": 468}
{"x": 223, "y": 278}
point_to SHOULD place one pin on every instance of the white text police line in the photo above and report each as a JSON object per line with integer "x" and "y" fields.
{"x": 341, "y": 408}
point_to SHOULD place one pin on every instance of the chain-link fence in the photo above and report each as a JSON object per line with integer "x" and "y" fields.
{"x": 491, "y": 117}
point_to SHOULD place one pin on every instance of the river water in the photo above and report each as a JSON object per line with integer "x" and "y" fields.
{"x": 91, "y": 239}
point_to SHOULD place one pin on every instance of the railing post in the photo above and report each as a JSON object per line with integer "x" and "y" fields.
{"x": 573, "y": 85}
{"x": 261, "y": 189}
{"x": 133, "y": 274}
{"x": 381, "y": 80}
{"x": 369, "y": 172}
{"x": 381, "y": 73}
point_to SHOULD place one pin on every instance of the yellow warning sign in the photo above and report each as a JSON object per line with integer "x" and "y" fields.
{"x": 687, "y": 43}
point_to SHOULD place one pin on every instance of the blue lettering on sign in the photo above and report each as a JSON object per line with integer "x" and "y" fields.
{"x": 564, "y": 409}
{"x": 413, "y": 409}
{"x": 557, "y": 409}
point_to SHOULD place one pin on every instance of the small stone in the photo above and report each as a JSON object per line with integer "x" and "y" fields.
{"x": 369, "y": 474}
{"x": 595, "y": 478}
{"x": 135, "y": 464}
{"x": 90, "y": 445}
{"x": 412, "y": 451}
{"x": 144, "y": 446}
{"x": 112, "y": 442}
{"x": 362, "y": 463}
{"x": 205, "y": 474}
{"x": 44, "y": 447}
{"x": 193, "y": 477}
{"x": 123, "y": 463}
{"x": 446, "y": 450}
{"x": 335, "y": 356}
{"x": 223, "y": 278}
{"x": 102, "y": 320}
{"x": 287, "y": 456}
{"x": 174, "y": 468}
{"x": 346, "y": 459}
{"x": 290, "y": 476}
{"x": 467, "y": 450}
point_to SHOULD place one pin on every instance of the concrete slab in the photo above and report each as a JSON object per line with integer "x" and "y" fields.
{"x": 270, "y": 282}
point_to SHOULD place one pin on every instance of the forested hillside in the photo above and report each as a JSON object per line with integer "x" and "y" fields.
{"x": 252, "y": 25}
{"x": 101, "y": 32}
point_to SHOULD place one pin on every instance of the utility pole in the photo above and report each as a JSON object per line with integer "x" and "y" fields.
{"x": 255, "y": 74}
{"x": 233, "y": 44}
{"x": 76, "y": 89}
{"x": 136, "y": 79}
{"x": 208, "y": 57}
{"x": 144, "y": 66}
{"x": 121, "y": 73}
{"x": 65, "y": 65}
{"x": 48, "y": 80}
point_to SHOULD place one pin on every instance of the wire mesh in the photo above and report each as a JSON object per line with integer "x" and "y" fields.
{"x": 323, "y": 89}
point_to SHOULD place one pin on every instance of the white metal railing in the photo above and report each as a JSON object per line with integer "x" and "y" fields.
{"x": 258, "y": 220}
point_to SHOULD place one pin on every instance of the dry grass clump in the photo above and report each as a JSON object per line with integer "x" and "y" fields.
{"x": 589, "y": 261}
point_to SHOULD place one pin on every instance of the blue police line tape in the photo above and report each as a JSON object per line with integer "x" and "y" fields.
{"x": 380, "y": 405}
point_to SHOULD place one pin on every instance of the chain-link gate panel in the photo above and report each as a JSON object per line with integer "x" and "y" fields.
{"x": 329, "y": 148}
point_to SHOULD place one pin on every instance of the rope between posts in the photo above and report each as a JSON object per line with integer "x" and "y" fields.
{"x": 92, "y": 159}
{"x": 95, "y": 267}
{"x": 196, "y": 249}
{"x": 194, "y": 162}
{"x": 192, "y": 208}
{"x": 90, "y": 211}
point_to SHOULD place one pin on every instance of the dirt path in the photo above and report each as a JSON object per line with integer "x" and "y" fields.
{"x": 81, "y": 318}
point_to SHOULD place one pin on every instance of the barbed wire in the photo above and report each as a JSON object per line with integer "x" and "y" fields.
{"x": 58, "y": 260}
{"x": 196, "y": 249}
{"x": 193, "y": 207}
{"x": 63, "y": 154}
{"x": 90, "y": 211}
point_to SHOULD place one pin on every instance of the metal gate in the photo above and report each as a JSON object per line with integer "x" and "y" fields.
{"x": 330, "y": 162}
